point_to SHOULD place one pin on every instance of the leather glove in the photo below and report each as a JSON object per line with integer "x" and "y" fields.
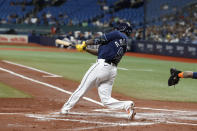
{"x": 173, "y": 79}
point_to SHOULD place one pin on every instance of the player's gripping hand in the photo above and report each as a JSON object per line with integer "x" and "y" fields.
{"x": 81, "y": 47}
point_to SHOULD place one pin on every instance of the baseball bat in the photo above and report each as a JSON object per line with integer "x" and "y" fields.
{"x": 62, "y": 42}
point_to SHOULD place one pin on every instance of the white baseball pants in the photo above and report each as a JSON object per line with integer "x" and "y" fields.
{"x": 100, "y": 75}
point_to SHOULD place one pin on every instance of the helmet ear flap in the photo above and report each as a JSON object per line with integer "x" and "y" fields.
{"x": 122, "y": 28}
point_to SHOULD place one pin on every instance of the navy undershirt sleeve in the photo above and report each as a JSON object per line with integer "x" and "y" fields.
{"x": 194, "y": 75}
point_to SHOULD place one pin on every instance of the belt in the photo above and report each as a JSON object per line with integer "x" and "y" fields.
{"x": 107, "y": 61}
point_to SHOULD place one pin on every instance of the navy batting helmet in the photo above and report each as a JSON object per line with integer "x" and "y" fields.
{"x": 124, "y": 27}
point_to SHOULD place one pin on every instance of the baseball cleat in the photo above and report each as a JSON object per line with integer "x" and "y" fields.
{"x": 131, "y": 113}
{"x": 64, "y": 112}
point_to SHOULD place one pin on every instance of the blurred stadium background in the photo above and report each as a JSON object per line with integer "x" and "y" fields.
{"x": 160, "y": 27}
{"x": 156, "y": 23}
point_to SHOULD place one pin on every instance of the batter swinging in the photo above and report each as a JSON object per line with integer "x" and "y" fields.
{"x": 112, "y": 47}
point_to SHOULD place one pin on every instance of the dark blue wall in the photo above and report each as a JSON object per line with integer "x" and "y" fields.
{"x": 156, "y": 48}
{"x": 166, "y": 49}
{"x": 47, "y": 41}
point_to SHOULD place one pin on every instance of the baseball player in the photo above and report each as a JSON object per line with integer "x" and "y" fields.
{"x": 112, "y": 46}
{"x": 177, "y": 74}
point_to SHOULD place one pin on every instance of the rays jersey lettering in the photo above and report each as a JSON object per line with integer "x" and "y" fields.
{"x": 113, "y": 46}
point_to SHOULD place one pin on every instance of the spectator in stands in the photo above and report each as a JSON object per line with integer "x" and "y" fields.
{"x": 33, "y": 20}
{"x": 84, "y": 24}
{"x": 98, "y": 23}
{"x": 3, "y": 21}
{"x": 139, "y": 35}
{"x": 194, "y": 38}
{"x": 48, "y": 15}
{"x": 63, "y": 15}
{"x": 88, "y": 35}
{"x": 52, "y": 21}
{"x": 69, "y": 34}
{"x": 81, "y": 36}
{"x": 70, "y": 23}
{"x": 11, "y": 31}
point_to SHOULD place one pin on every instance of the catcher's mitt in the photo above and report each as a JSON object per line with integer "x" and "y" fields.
{"x": 174, "y": 79}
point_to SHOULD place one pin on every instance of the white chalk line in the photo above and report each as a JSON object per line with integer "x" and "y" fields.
{"x": 90, "y": 128}
{"x": 121, "y": 68}
{"x": 148, "y": 108}
{"x": 168, "y": 110}
{"x": 10, "y": 113}
{"x": 48, "y": 85}
{"x": 147, "y": 70}
{"x": 153, "y": 118}
{"x": 180, "y": 123}
{"x": 54, "y": 87}
{"x": 31, "y": 68}
{"x": 126, "y": 69}
{"x": 148, "y": 116}
{"x": 68, "y": 92}
{"x": 47, "y": 118}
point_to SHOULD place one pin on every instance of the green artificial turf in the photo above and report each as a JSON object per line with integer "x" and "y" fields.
{"x": 21, "y": 46}
{"x": 147, "y": 79}
{"x": 141, "y": 78}
{"x": 8, "y": 92}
